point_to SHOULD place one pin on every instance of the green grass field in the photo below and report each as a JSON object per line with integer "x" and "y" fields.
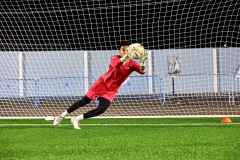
{"x": 121, "y": 139}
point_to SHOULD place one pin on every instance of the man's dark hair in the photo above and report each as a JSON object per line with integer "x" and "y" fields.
{"x": 124, "y": 43}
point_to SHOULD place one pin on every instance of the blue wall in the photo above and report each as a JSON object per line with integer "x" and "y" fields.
{"x": 8, "y": 65}
{"x": 8, "y": 70}
{"x": 196, "y": 66}
{"x": 229, "y": 60}
{"x": 60, "y": 73}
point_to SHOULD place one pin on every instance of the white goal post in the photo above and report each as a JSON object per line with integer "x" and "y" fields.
{"x": 51, "y": 53}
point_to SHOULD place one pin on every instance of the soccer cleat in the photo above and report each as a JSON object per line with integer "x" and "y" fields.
{"x": 57, "y": 120}
{"x": 75, "y": 123}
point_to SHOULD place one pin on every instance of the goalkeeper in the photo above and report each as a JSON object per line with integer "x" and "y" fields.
{"x": 107, "y": 85}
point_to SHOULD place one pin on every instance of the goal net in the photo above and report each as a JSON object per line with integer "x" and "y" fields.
{"x": 52, "y": 51}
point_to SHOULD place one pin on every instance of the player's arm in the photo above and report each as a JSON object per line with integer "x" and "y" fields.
{"x": 117, "y": 62}
{"x": 143, "y": 59}
{"x": 126, "y": 56}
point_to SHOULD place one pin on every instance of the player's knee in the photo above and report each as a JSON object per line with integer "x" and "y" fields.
{"x": 101, "y": 110}
{"x": 76, "y": 105}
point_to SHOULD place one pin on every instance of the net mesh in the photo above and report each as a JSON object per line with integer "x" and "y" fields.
{"x": 51, "y": 52}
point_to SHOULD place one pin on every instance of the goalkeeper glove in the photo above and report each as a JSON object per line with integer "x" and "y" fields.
{"x": 126, "y": 56}
{"x": 143, "y": 58}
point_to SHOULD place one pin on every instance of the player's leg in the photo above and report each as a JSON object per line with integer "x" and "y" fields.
{"x": 85, "y": 100}
{"x": 102, "y": 107}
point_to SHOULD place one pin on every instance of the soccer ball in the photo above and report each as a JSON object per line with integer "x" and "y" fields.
{"x": 136, "y": 50}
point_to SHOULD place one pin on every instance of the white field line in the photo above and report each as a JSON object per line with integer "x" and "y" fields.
{"x": 161, "y": 124}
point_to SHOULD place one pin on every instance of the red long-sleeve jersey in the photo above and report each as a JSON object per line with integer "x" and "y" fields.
{"x": 118, "y": 72}
{"x": 108, "y": 84}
